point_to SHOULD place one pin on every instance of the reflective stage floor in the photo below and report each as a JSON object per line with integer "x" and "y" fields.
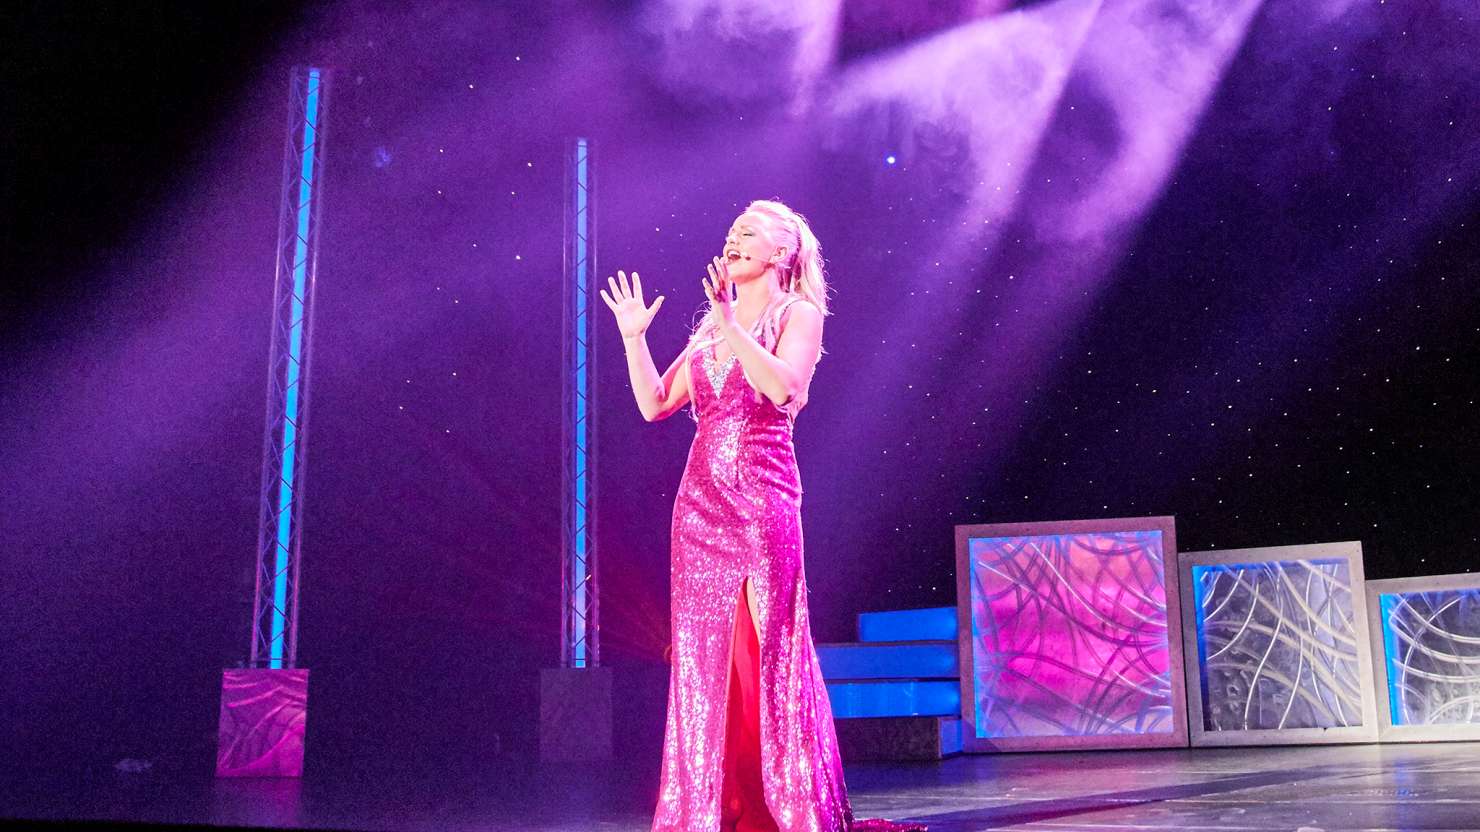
{"x": 1345, "y": 787}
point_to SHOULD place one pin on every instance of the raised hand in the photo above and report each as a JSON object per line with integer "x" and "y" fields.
{"x": 717, "y": 289}
{"x": 632, "y": 313}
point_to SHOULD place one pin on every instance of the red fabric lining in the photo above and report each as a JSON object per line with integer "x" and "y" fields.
{"x": 743, "y": 800}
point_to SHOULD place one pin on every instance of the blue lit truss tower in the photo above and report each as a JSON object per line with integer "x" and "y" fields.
{"x": 275, "y": 607}
{"x": 580, "y": 645}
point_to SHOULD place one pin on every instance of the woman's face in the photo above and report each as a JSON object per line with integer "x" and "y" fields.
{"x": 750, "y": 248}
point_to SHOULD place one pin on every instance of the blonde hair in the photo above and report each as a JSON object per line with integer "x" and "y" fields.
{"x": 801, "y": 273}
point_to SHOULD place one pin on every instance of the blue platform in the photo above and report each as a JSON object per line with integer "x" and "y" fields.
{"x": 864, "y": 698}
{"x": 896, "y": 692}
{"x": 890, "y": 660}
{"x": 927, "y": 624}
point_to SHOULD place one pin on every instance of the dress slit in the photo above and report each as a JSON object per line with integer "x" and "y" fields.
{"x": 743, "y": 805}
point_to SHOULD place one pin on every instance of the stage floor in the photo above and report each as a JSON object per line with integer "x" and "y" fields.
{"x": 1345, "y": 787}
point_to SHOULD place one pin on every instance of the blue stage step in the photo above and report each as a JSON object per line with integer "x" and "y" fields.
{"x": 928, "y": 624}
{"x": 870, "y": 698}
{"x": 890, "y": 660}
{"x": 896, "y": 693}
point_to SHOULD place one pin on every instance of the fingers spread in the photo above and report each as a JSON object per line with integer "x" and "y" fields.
{"x": 722, "y": 276}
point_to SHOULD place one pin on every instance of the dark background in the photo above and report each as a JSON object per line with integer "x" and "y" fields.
{"x": 1278, "y": 348}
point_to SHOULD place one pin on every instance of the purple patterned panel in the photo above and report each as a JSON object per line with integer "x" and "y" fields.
{"x": 263, "y": 714}
{"x": 1069, "y": 635}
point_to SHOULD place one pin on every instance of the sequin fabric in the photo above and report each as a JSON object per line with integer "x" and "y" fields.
{"x": 737, "y": 515}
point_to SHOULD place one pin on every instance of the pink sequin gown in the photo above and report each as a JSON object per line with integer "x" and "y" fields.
{"x": 737, "y": 515}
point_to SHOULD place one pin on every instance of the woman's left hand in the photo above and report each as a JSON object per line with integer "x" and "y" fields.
{"x": 717, "y": 289}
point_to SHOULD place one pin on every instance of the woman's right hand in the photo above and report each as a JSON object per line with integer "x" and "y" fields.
{"x": 632, "y": 313}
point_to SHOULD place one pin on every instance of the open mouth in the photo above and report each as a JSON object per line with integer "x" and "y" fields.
{"x": 732, "y": 255}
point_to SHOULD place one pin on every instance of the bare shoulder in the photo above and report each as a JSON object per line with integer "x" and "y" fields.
{"x": 805, "y": 309}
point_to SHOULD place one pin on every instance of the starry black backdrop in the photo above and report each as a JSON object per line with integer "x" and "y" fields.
{"x": 1280, "y": 351}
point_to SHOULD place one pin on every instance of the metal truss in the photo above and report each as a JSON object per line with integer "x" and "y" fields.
{"x": 275, "y": 606}
{"x": 580, "y": 644}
